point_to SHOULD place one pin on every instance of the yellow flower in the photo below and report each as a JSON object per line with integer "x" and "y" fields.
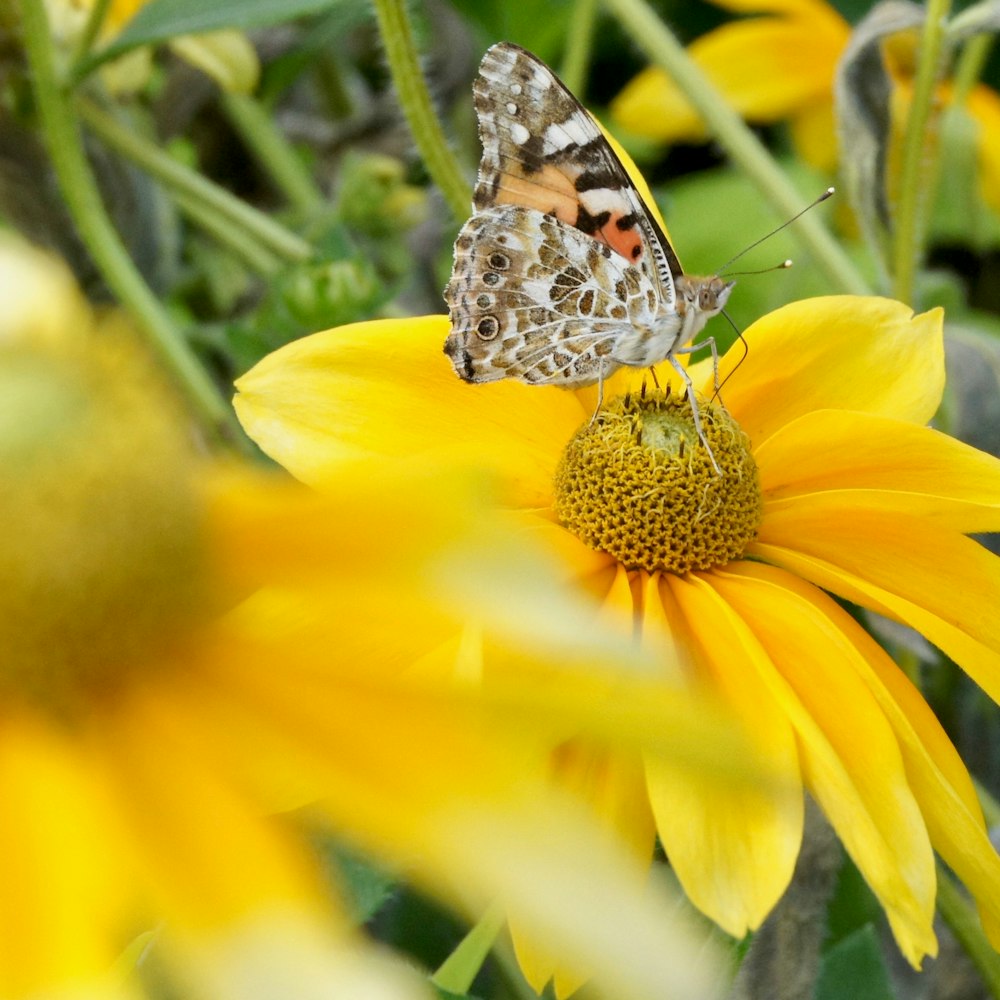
{"x": 831, "y": 481}
{"x": 226, "y": 55}
{"x": 781, "y": 67}
{"x": 774, "y": 68}
{"x": 188, "y": 648}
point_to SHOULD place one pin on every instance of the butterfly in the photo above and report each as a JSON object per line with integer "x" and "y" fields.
{"x": 562, "y": 275}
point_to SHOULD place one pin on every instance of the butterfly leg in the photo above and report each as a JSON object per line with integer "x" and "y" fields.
{"x": 656, "y": 381}
{"x": 708, "y": 342}
{"x": 695, "y": 411}
{"x": 600, "y": 393}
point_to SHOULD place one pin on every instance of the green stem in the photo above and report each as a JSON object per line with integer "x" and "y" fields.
{"x": 177, "y": 177}
{"x": 415, "y": 101}
{"x": 259, "y": 259}
{"x": 960, "y": 915}
{"x": 578, "y": 43}
{"x": 969, "y": 67}
{"x": 273, "y": 152}
{"x": 913, "y": 197}
{"x": 459, "y": 969}
{"x": 79, "y": 189}
{"x": 726, "y": 126}
{"x": 95, "y": 19}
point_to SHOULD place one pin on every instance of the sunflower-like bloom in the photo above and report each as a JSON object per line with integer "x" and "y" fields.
{"x": 187, "y": 649}
{"x": 831, "y": 482}
{"x": 781, "y": 67}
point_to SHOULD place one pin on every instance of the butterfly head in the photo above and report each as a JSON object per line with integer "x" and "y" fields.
{"x": 698, "y": 300}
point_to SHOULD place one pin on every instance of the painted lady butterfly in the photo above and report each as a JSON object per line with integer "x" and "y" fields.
{"x": 562, "y": 275}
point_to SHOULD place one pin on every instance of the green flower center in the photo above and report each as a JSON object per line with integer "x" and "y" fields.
{"x": 638, "y": 484}
{"x": 101, "y": 552}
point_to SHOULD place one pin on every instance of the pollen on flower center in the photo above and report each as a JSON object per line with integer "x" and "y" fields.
{"x": 638, "y": 484}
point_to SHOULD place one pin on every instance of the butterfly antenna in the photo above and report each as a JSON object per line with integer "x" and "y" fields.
{"x": 826, "y": 194}
{"x": 763, "y": 270}
{"x": 746, "y": 351}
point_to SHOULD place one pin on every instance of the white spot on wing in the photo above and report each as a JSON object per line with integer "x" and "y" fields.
{"x": 559, "y": 135}
{"x": 519, "y": 133}
{"x": 599, "y": 200}
{"x": 511, "y": 108}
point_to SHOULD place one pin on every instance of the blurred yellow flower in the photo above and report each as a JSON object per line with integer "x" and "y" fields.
{"x": 227, "y": 55}
{"x": 189, "y": 648}
{"x": 831, "y": 481}
{"x": 781, "y": 67}
{"x": 774, "y": 68}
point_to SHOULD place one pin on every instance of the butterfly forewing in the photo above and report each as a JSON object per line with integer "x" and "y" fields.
{"x": 534, "y": 299}
{"x": 542, "y": 150}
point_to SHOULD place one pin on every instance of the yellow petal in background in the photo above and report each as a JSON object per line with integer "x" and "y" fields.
{"x": 61, "y": 865}
{"x": 814, "y": 134}
{"x": 226, "y": 56}
{"x": 845, "y": 352}
{"x": 766, "y": 68}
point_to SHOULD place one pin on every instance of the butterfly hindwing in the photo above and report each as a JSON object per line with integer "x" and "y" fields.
{"x": 542, "y": 150}
{"x": 534, "y": 299}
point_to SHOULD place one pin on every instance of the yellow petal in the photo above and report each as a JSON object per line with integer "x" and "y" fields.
{"x": 814, "y": 133}
{"x": 385, "y": 389}
{"x": 733, "y": 850}
{"x": 465, "y": 815}
{"x": 984, "y": 107}
{"x": 226, "y": 56}
{"x": 630, "y": 941}
{"x": 615, "y": 787}
{"x": 934, "y": 770}
{"x": 195, "y": 835}
{"x": 767, "y": 68}
{"x": 815, "y": 10}
{"x": 63, "y": 894}
{"x": 845, "y": 352}
{"x": 940, "y": 582}
{"x": 880, "y": 462}
{"x": 850, "y": 757}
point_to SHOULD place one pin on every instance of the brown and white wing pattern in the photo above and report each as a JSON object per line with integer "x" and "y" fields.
{"x": 534, "y": 299}
{"x": 542, "y": 150}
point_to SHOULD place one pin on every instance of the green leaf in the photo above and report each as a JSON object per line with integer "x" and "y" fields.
{"x": 367, "y": 888}
{"x": 447, "y": 995}
{"x": 726, "y": 194}
{"x": 161, "y": 20}
{"x": 854, "y": 968}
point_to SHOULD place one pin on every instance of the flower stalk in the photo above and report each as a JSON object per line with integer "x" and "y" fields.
{"x": 959, "y": 914}
{"x": 79, "y": 188}
{"x": 415, "y": 100}
{"x": 664, "y": 50}
{"x": 176, "y": 177}
{"x": 459, "y": 969}
{"x": 913, "y": 197}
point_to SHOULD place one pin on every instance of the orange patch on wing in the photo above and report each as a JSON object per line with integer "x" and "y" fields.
{"x": 626, "y": 242}
{"x": 549, "y": 190}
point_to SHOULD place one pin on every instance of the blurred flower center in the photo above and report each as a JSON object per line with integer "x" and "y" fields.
{"x": 637, "y": 483}
{"x": 100, "y": 554}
